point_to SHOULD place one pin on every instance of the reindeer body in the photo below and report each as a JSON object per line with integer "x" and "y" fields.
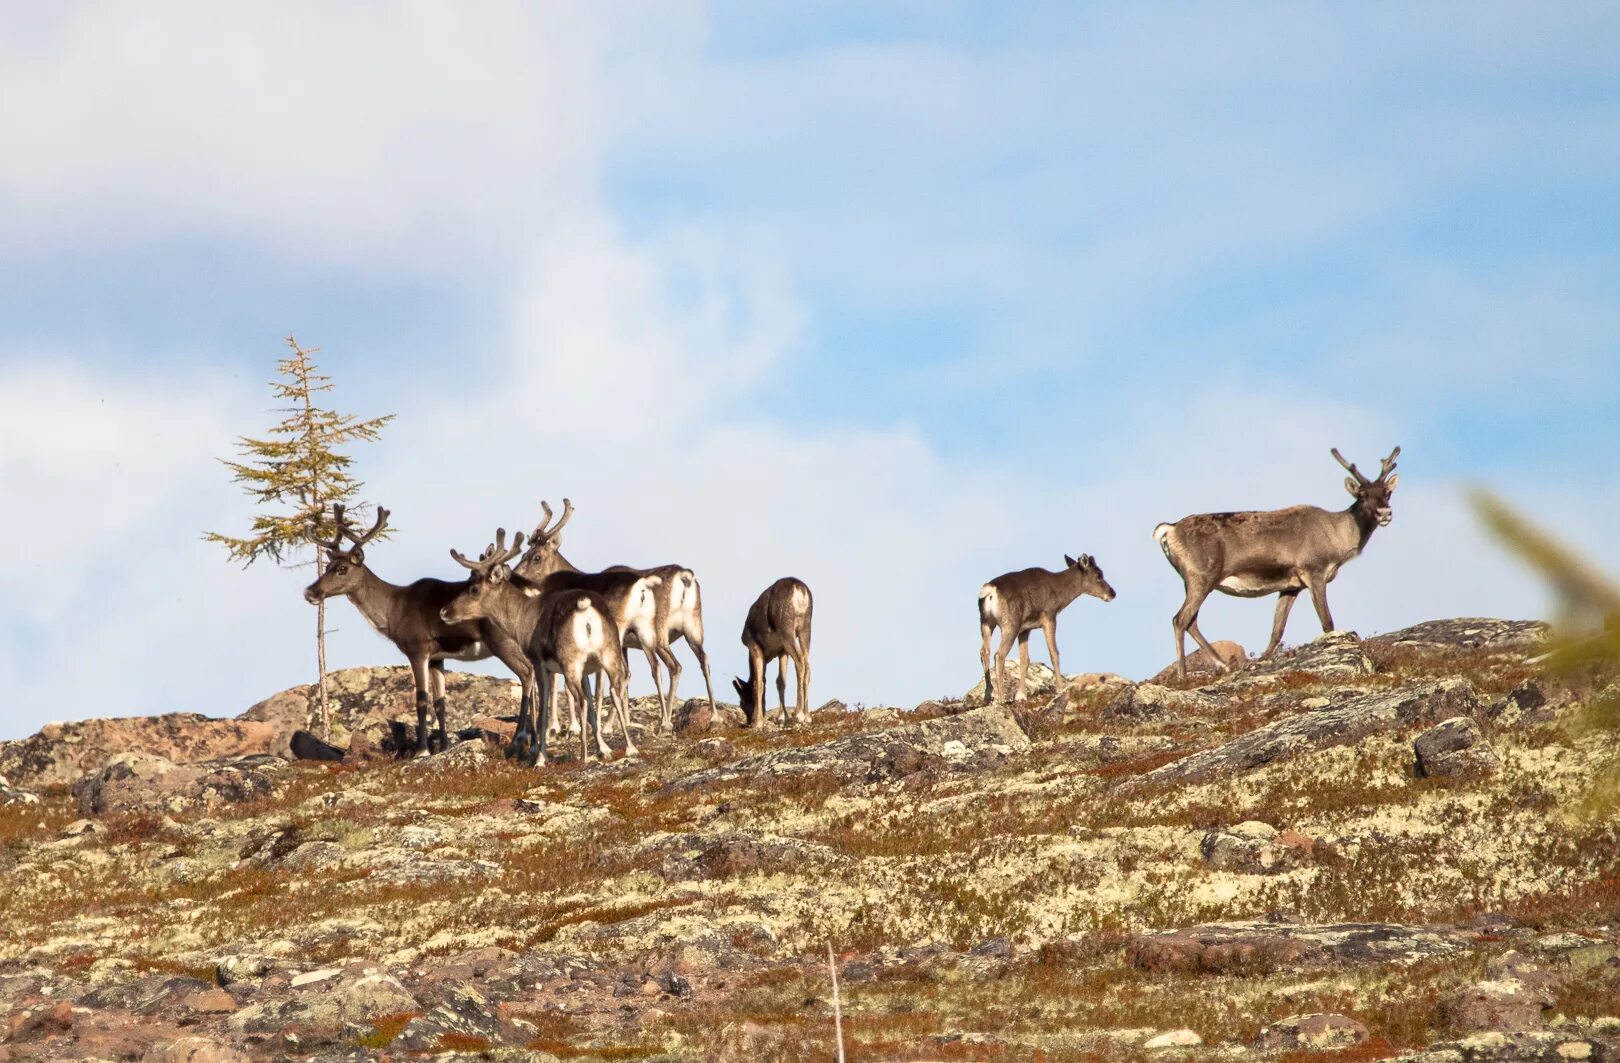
{"x": 1280, "y": 551}
{"x": 409, "y": 617}
{"x": 678, "y": 607}
{"x": 1019, "y": 602}
{"x": 777, "y": 627}
{"x": 523, "y": 611}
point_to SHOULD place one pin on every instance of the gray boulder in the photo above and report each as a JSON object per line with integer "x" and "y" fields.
{"x": 1316, "y": 1033}
{"x": 1453, "y": 748}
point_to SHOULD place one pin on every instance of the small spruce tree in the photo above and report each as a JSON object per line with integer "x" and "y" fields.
{"x": 296, "y": 474}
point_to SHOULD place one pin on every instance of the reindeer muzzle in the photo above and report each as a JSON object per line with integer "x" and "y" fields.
{"x": 313, "y": 596}
{"x": 1384, "y": 517}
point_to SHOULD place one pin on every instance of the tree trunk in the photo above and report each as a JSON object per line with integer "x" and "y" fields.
{"x": 320, "y": 655}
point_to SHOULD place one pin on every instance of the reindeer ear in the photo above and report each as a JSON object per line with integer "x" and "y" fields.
{"x": 498, "y": 574}
{"x": 1351, "y": 486}
{"x": 1389, "y": 484}
{"x": 1071, "y": 562}
{"x": 738, "y": 684}
{"x": 358, "y": 556}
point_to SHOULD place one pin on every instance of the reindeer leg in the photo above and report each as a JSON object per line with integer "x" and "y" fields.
{"x": 576, "y": 692}
{"x": 667, "y": 655}
{"x": 985, "y": 630}
{"x": 695, "y": 640}
{"x": 801, "y": 672}
{"x": 1186, "y": 619}
{"x": 545, "y": 689}
{"x": 437, "y": 669}
{"x": 755, "y": 712}
{"x": 419, "y": 672}
{"x": 1023, "y": 663}
{"x": 1279, "y": 620}
{"x": 1049, "y": 629}
{"x": 596, "y": 681}
{"x": 1318, "y": 587}
{"x": 603, "y": 724}
{"x": 664, "y": 725}
{"x": 781, "y": 686}
{"x": 621, "y": 699}
{"x": 1002, "y": 649}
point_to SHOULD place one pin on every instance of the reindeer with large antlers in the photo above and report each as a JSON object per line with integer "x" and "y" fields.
{"x": 566, "y": 627}
{"x": 409, "y": 617}
{"x": 679, "y": 602}
{"x": 1279, "y": 551}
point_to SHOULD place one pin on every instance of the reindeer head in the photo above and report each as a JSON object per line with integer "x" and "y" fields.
{"x": 545, "y": 545}
{"x": 490, "y": 569}
{"x": 749, "y": 699}
{"x": 1372, "y": 496}
{"x": 1091, "y": 577}
{"x": 345, "y": 569}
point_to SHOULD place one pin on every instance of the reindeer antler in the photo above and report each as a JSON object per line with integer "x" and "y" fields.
{"x": 335, "y": 544}
{"x": 543, "y": 532}
{"x": 346, "y": 529}
{"x": 498, "y": 553}
{"x": 1353, "y": 470}
{"x": 1389, "y": 464}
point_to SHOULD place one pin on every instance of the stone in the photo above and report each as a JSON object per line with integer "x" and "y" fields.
{"x": 193, "y": 1050}
{"x": 1317, "y": 1033}
{"x": 1454, "y": 748}
{"x": 1470, "y": 633}
{"x": 696, "y": 716}
{"x": 1515, "y": 995}
{"x": 1333, "y": 657}
{"x": 1040, "y": 682}
{"x": 463, "y": 1011}
{"x": 356, "y": 994}
{"x": 1526, "y": 705}
{"x": 60, "y": 754}
{"x": 986, "y": 735}
{"x": 1258, "y": 947}
{"x": 1343, "y": 724}
{"x": 136, "y": 781}
{"x": 1254, "y": 848}
{"x": 1173, "y": 1039}
{"x": 1200, "y": 663}
{"x": 1146, "y": 702}
{"x": 713, "y": 749}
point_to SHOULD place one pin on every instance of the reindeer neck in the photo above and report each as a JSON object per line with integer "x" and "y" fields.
{"x": 1069, "y": 585}
{"x": 1363, "y": 520}
{"x": 510, "y": 609}
{"x": 376, "y": 599}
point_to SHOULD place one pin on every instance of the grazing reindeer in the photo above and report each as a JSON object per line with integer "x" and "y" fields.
{"x": 778, "y": 626}
{"x": 409, "y": 617}
{"x": 1279, "y": 551}
{"x": 560, "y": 629}
{"x": 679, "y": 602}
{"x": 1019, "y": 602}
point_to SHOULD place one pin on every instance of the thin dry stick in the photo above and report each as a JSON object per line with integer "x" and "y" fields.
{"x": 838, "y": 1014}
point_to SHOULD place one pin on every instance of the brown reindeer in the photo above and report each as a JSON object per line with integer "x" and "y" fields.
{"x": 1019, "y": 602}
{"x": 409, "y": 617}
{"x": 778, "y": 626}
{"x": 678, "y": 599}
{"x": 1279, "y": 551}
{"x": 562, "y": 630}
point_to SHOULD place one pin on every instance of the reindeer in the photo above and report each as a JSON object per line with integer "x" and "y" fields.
{"x": 1019, "y": 602}
{"x": 678, "y": 598}
{"x": 778, "y": 626}
{"x": 1279, "y": 551}
{"x": 409, "y": 617}
{"x": 630, "y": 596}
{"x": 566, "y": 631}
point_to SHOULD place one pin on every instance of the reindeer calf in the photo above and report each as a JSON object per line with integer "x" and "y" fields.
{"x": 1019, "y": 602}
{"x": 778, "y": 626}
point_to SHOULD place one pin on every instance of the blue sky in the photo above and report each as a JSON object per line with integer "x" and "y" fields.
{"x": 893, "y": 297}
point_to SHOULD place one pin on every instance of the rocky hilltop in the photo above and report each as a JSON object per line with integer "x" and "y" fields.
{"x": 1366, "y": 849}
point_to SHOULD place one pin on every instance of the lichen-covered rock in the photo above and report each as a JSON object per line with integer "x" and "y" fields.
{"x": 1258, "y": 946}
{"x": 1523, "y": 1047}
{"x": 1232, "y": 654}
{"x": 1526, "y": 705}
{"x": 1317, "y": 1033}
{"x": 1334, "y": 657}
{"x": 1469, "y": 633}
{"x": 1145, "y": 702}
{"x": 1342, "y": 724}
{"x": 1038, "y": 683}
{"x": 1454, "y": 747}
{"x": 60, "y": 754}
{"x": 1515, "y": 995}
{"x": 462, "y": 1011}
{"x": 328, "y": 1000}
{"x": 1255, "y": 848}
{"x": 696, "y": 716}
{"x": 136, "y": 781}
{"x": 194, "y": 1050}
{"x": 978, "y": 737}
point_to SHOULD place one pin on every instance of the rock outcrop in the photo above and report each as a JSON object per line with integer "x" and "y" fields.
{"x": 60, "y": 754}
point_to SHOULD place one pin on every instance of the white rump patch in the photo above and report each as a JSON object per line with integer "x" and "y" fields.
{"x": 801, "y": 600}
{"x": 989, "y": 602}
